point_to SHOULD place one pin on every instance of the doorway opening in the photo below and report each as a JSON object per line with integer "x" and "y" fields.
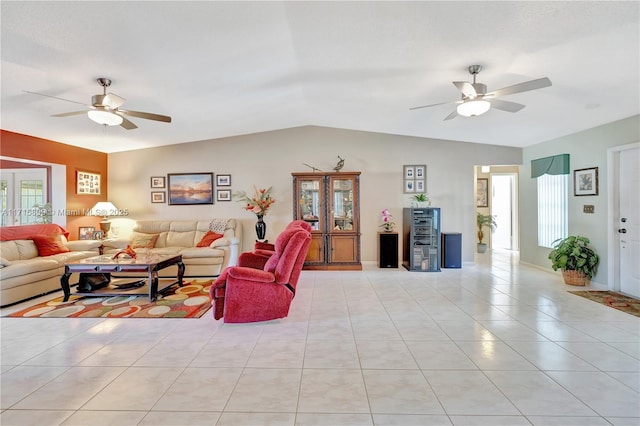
{"x": 501, "y": 203}
{"x": 30, "y": 188}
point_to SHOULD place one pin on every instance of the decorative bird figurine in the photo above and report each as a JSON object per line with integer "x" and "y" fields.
{"x": 340, "y": 164}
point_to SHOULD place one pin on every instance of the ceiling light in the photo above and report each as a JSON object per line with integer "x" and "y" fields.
{"x": 473, "y": 108}
{"x": 101, "y": 116}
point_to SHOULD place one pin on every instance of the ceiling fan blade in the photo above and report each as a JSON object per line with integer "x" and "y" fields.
{"x": 521, "y": 87}
{"x": 113, "y": 101}
{"x": 506, "y": 105}
{"x": 127, "y": 124}
{"x": 466, "y": 88}
{"x": 427, "y": 106}
{"x": 69, "y": 114}
{"x": 454, "y": 114}
{"x": 147, "y": 115}
{"x": 54, "y": 97}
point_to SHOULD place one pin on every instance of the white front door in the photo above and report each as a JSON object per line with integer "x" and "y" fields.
{"x": 629, "y": 222}
{"x": 503, "y": 197}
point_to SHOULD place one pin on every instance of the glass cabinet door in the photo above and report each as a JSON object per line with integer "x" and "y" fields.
{"x": 342, "y": 204}
{"x": 310, "y": 202}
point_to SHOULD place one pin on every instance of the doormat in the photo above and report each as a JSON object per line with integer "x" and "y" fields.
{"x": 615, "y": 300}
{"x": 189, "y": 301}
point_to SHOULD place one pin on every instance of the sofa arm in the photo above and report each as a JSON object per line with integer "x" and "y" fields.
{"x": 84, "y": 245}
{"x": 224, "y": 242}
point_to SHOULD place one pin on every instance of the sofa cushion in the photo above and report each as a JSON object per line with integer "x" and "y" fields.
{"x": 167, "y": 250}
{"x": 208, "y": 238}
{"x": 140, "y": 240}
{"x": 49, "y": 245}
{"x": 4, "y": 262}
{"x": 9, "y": 250}
{"x": 181, "y": 238}
{"x": 201, "y": 252}
{"x": 30, "y": 266}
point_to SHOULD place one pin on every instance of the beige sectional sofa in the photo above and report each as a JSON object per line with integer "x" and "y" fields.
{"x": 182, "y": 237}
{"x": 24, "y": 273}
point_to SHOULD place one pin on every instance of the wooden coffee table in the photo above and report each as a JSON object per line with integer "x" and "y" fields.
{"x": 145, "y": 268}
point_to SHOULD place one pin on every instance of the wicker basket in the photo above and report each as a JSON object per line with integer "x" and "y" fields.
{"x": 572, "y": 277}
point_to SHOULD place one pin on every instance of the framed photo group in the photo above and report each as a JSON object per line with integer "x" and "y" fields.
{"x": 87, "y": 183}
{"x": 415, "y": 178}
{"x": 190, "y": 188}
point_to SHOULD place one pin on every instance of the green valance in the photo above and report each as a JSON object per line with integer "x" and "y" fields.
{"x": 554, "y": 165}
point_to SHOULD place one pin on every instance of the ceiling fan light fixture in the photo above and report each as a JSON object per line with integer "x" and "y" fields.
{"x": 101, "y": 116}
{"x": 473, "y": 107}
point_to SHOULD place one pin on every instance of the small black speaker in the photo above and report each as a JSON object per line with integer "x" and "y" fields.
{"x": 388, "y": 249}
{"x": 452, "y": 250}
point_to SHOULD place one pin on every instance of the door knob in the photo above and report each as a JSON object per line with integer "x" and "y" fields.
{"x": 622, "y": 231}
{"x": 623, "y": 220}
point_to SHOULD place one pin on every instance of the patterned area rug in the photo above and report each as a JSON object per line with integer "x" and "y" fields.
{"x": 189, "y": 301}
{"x": 615, "y": 300}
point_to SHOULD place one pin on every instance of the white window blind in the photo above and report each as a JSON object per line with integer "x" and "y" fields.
{"x": 553, "y": 196}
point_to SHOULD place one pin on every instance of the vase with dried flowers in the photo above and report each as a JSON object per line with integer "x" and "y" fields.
{"x": 259, "y": 204}
{"x": 388, "y": 225}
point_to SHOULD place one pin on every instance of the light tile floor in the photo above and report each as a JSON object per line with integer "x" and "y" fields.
{"x": 495, "y": 343}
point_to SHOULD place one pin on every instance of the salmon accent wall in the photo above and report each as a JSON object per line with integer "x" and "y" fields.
{"x": 17, "y": 145}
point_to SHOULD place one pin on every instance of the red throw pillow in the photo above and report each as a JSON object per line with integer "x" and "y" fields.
{"x": 49, "y": 244}
{"x": 208, "y": 238}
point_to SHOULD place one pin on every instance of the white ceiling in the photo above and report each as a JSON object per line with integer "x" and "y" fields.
{"x": 230, "y": 68}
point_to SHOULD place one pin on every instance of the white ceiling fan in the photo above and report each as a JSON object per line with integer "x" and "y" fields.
{"x": 476, "y": 100}
{"x": 105, "y": 109}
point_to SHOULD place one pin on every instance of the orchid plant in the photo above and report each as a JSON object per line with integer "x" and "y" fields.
{"x": 387, "y": 221}
{"x": 259, "y": 203}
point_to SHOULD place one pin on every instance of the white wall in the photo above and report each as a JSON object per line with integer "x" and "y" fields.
{"x": 586, "y": 149}
{"x": 268, "y": 159}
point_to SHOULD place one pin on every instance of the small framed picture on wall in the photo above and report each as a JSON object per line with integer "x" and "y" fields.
{"x": 158, "y": 197}
{"x": 158, "y": 182}
{"x": 223, "y": 180}
{"x": 585, "y": 181}
{"x": 223, "y": 194}
{"x": 482, "y": 192}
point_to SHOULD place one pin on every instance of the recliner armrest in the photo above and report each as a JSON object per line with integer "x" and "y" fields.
{"x": 250, "y": 274}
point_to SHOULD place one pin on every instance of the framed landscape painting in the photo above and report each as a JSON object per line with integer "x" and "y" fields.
{"x": 190, "y": 188}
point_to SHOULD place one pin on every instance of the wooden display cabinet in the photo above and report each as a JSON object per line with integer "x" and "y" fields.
{"x": 330, "y": 203}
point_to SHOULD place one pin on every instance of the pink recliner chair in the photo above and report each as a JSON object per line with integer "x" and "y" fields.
{"x": 263, "y": 251}
{"x": 245, "y": 294}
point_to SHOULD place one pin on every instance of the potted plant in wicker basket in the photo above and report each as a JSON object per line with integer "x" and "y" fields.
{"x": 484, "y": 220}
{"x": 577, "y": 261}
